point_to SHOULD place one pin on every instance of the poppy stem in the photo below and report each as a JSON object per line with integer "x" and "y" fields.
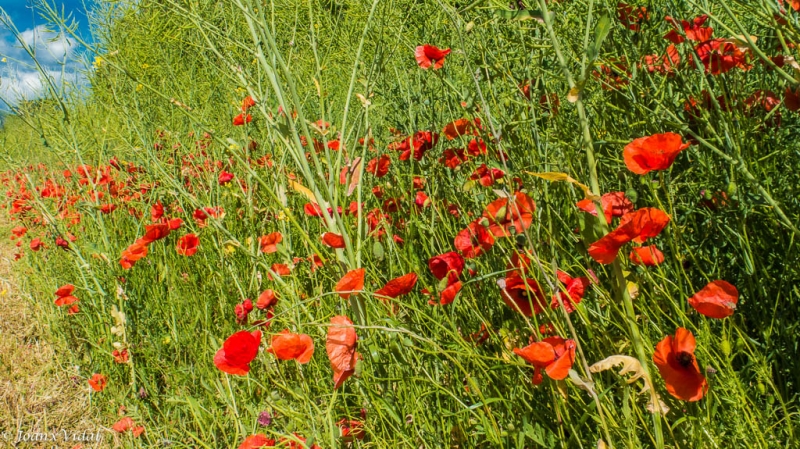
{"x": 620, "y": 283}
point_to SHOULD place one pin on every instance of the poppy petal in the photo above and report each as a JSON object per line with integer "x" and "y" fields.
{"x": 352, "y": 281}
{"x": 716, "y": 300}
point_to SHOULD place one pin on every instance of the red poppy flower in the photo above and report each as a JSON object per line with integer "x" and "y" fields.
{"x": 107, "y": 208}
{"x": 98, "y": 382}
{"x": 674, "y": 357}
{"x": 295, "y": 442}
{"x": 289, "y": 346}
{"x": 791, "y": 99}
{"x": 613, "y": 75}
{"x": 615, "y": 204}
{"x": 61, "y": 243}
{"x": 123, "y": 425}
{"x": 237, "y": 352}
{"x": 649, "y": 256}
{"x": 269, "y": 242}
{"x": 448, "y": 295}
{"x": 332, "y": 240}
{"x": 631, "y": 16}
{"x": 280, "y": 269}
{"x": 520, "y": 261}
{"x": 474, "y": 240}
{"x": 187, "y": 245}
{"x": 449, "y": 264}
{"x": 19, "y": 231}
{"x": 155, "y": 232}
{"x": 36, "y": 244}
{"x": 460, "y": 127}
{"x": 487, "y": 176}
{"x": 225, "y": 177}
{"x": 242, "y": 310}
{"x": 694, "y": 30}
{"x": 523, "y": 295}
{"x": 120, "y": 356}
{"x": 266, "y": 299}
{"x": 422, "y": 141}
{"x": 135, "y": 251}
{"x": 503, "y": 215}
{"x": 720, "y": 56}
{"x": 476, "y": 147}
{"x": 795, "y": 4}
{"x": 554, "y": 355}
{"x": 575, "y": 289}
{"x": 64, "y": 295}
{"x": 257, "y": 441}
{"x": 241, "y": 119}
{"x": 664, "y": 64}
{"x": 428, "y": 55}
{"x": 398, "y": 286}
{"x": 635, "y": 226}
{"x": 656, "y": 152}
{"x": 716, "y": 300}
{"x": 379, "y": 166}
{"x": 351, "y": 282}
{"x": 351, "y": 429}
{"x": 247, "y": 103}
{"x": 452, "y": 158}
{"x": 316, "y": 262}
{"x": 341, "y": 349}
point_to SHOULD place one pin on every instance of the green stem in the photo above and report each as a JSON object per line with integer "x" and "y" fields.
{"x": 621, "y": 290}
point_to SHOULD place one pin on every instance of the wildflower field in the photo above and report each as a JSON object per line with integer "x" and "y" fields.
{"x": 423, "y": 224}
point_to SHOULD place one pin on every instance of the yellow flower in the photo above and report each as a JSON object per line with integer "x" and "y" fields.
{"x": 139, "y": 87}
{"x": 98, "y": 62}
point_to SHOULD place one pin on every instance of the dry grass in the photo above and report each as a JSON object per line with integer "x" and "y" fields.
{"x": 39, "y": 391}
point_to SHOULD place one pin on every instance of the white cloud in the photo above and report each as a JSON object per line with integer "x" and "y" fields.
{"x": 19, "y": 78}
{"x": 29, "y": 84}
{"x": 48, "y": 46}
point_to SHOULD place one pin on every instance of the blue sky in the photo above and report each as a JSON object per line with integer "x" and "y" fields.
{"x": 55, "y": 51}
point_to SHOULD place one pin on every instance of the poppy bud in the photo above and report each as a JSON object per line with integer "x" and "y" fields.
{"x": 442, "y": 284}
{"x": 732, "y": 188}
{"x": 632, "y": 195}
{"x": 725, "y": 346}
{"x": 501, "y": 213}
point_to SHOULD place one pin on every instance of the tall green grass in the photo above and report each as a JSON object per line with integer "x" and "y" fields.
{"x": 169, "y": 71}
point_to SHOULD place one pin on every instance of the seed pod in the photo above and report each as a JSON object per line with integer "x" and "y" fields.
{"x": 732, "y": 188}
{"x": 725, "y": 347}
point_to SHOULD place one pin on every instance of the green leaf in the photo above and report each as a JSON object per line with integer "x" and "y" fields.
{"x": 469, "y": 185}
{"x": 522, "y": 14}
{"x": 600, "y": 34}
{"x": 377, "y": 250}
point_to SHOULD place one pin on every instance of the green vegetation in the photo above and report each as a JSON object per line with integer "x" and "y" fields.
{"x": 562, "y": 91}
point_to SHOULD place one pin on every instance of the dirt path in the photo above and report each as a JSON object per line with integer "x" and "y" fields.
{"x": 38, "y": 393}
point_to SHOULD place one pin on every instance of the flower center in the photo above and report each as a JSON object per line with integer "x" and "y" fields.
{"x": 684, "y": 359}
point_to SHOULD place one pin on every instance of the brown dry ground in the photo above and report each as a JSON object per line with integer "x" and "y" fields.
{"x": 39, "y": 391}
